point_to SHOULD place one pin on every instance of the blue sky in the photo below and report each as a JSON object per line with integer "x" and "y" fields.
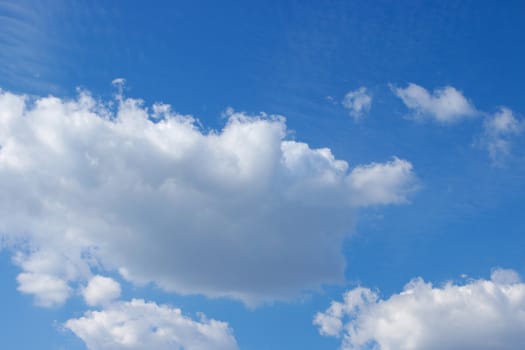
{"x": 309, "y": 150}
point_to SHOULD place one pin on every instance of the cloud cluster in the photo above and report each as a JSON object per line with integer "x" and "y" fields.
{"x": 358, "y": 102}
{"x": 481, "y": 314}
{"x": 137, "y": 325}
{"x": 240, "y": 212}
{"x": 446, "y": 105}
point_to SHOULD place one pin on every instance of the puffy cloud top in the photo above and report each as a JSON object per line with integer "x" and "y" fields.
{"x": 101, "y": 290}
{"x": 478, "y": 315}
{"x": 138, "y": 325}
{"x": 239, "y": 212}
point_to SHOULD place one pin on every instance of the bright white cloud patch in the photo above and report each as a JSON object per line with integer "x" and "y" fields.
{"x": 500, "y": 128}
{"x": 239, "y": 212}
{"x": 48, "y": 290}
{"x": 478, "y": 315}
{"x": 358, "y": 102}
{"x": 445, "y": 105}
{"x": 101, "y": 290}
{"x": 138, "y": 325}
{"x": 45, "y": 275}
{"x": 373, "y": 183}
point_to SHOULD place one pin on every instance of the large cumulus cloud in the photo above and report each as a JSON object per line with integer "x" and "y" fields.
{"x": 241, "y": 212}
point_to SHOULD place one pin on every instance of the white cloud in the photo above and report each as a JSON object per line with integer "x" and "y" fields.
{"x": 503, "y": 122}
{"x": 118, "y": 81}
{"x": 48, "y": 290}
{"x": 445, "y": 105}
{"x": 478, "y": 315}
{"x": 46, "y": 276}
{"x": 499, "y": 129}
{"x": 101, "y": 290}
{"x": 137, "y": 325}
{"x": 380, "y": 182}
{"x": 240, "y": 212}
{"x": 358, "y": 102}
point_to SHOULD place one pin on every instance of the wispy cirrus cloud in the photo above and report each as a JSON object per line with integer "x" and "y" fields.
{"x": 27, "y": 45}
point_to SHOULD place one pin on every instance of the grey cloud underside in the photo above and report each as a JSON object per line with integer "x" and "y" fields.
{"x": 241, "y": 212}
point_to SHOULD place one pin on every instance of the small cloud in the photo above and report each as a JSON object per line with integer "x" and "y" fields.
{"x": 504, "y": 123}
{"x": 45, "y": 276}
{"x": 119, "y": 84}
{"x": 358, "y": 102}
{"x": 499, "y": 131}
{"x": 445, "y": 105}
{"x": 331, "y": 100}
{"x": 382, "y": 183}
{"x": 49, "y": 291}
{"x": 101, "y": 290}
{"x": 118, "y": 81}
